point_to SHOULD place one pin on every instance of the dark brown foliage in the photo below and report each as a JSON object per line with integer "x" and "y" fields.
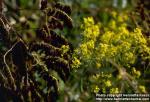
{"x": 46, "y": 48}
{"x": 43, "y": 4}
{"x": 63, "y": 7}
{"x": 4, "y": 37}
{"x": 53, "y": 38}
{"x": 141, "y": 16}
{"x": 19, "y": 56}
{"x": 59, "y": 14}
{"x": 25, "y": 65}
{"x": 59, "y": 65}
{"x": 54, "y": 23}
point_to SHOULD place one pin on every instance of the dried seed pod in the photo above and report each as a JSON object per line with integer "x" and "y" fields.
{"x": 63, "y": 7}
{"x": 19, "y": 54}
{"x": 57, "y": 40}
{"x": 51, "y": 81}
{"x": 4, "y": 37}
{"x": 35, "y": 94}
{"x": 47, "y": 48}
{"x": 59, "y": 14}
{"x": 54, "y": 39}
{"x": 50, "y": 44}
{"x": 61, "y": 66}
{"x": 34, "y": 87}
{"x": 43, "y": 4}
{"x": 54, "y": 23}
{"x": 42, "y": 34}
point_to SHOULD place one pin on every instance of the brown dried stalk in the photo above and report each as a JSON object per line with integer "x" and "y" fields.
{"x": 1, "y": 6}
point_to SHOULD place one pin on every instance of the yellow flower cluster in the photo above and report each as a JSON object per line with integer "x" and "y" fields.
{"x": 108, "y": 83}
{"x": 91, "y": 30}
{"x": 122, "y": 45}
{"x": 90, "y": 33}
{"x": 142, "y": 88}
{"x": 114, "y": 90}
{"x": 65, "y": 48}
{"x": 117, "y": 43}
{"x": 75, "y": 62}
{"x": 136, "y": 73}
{"x": 96, "y": 89}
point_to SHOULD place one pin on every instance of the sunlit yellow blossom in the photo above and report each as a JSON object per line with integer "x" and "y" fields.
{"x": 96, "y": 89}
{"x": 113, "y": 51}
{"x": 106, "y": 37}
{"x": 125, "y": 17}
{"x": 98, "y": 65}
{"x": 104, "y": 90}
{"x": 123, "y": 30}
{"x": 108, "y": 83}
{"x": 104, "y": 47}
{"x": 142, "y": 89}
{"x": 65, "y": 48}
{"x": 136, "y": 73}
{"x": 88, "y": 21}
{"x": 95, "y": 30}
{"x": 91, "y": 30}
{"x": 90, "y": 44}
{"x": 112, "y": 24}
{"x": 114, "y": 90}
{"x": 145, "y": 49}
{"x": 76, "y": 62}
{"x": 138, "y": 37}
{"x": 96, "y": 77}
{"x": 83, "y": 48}
{"x": 114, "y": 42}
{"x": 120, "y": 19}
{"x": 129, "y": 57}
{"x": 138, "y": 30}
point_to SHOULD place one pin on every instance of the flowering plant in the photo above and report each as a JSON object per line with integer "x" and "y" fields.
{"x": 110, "y": 56}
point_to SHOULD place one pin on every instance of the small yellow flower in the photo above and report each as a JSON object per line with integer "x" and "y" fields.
{"x": 114, "y": 90}
{"x": 88, "y": 21}
{"x": 114, "y": 14}
{"x": 98, "y": 65}
{"x": 136, "y": 73}
{"x": 65, "y": 48}
{"x": 91, "y": 30}
{"x": 96, "y": 89}
{"x": 120, "y": 18}
{"x": 142, "y": 89}
{"x": 138, "y": 30}
{"x": 112, "y": 24}
{"x": 83, "y": 48}
{"x": 76, "y": 62}
{"x": 90, "y": 44}
{"x": 95, "y": 77}
{"x": 108, "y": 83}
{"x": 123, "y": 30}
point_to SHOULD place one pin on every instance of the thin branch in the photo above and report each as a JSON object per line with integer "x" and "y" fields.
{"x": 3, "y": 21}
{"x": 11, "y": 79}
{"x": 3, "y": 77}
{"x": 125, "y": 76}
